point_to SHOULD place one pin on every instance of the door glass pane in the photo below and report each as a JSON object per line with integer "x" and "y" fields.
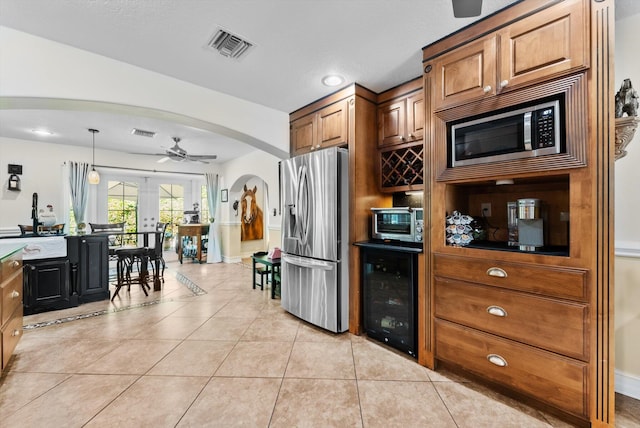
{"x": 204, "y": 205}
{"x": 171, "y": 208}
{"x": 122, "y": 206}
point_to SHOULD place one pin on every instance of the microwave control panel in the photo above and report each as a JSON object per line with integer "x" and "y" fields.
{"x": 545, "y": 128}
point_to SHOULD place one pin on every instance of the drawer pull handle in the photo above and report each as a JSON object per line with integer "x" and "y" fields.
{"x": 497, "y": 311}
{"x": 497, "y": 272}
{"x": 497, "y": 360}
{"x": 15, "y": 333}
{"x": 15, "y": 294}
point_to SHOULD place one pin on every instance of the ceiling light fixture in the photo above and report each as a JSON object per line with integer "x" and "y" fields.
{"x": 332, "y": 80}
{"x": 42, "y": 131}
{"x": 94, "y": 177}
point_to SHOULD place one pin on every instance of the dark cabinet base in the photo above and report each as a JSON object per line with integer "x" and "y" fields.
{"x": 46, "y": 286}
{"x": 89, "y": 260}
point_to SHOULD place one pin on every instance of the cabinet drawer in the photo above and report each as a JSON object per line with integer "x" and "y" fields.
{"x": 11, "y": 334}
{"x": 11, "y": 265}
{"x": 562, "y": 282}
{"x": 558, "y": 326}
{"x": 11, "y": 296}
{"x": 548, "y": 377}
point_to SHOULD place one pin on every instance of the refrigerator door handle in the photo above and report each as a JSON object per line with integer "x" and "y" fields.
{"x": 302, "y": 205}
{"x": 306, "y": 263}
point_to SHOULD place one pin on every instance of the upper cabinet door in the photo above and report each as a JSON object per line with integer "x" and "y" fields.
{"x": 333, "y": 125}
{"x": 391, "y": 123}
{"x": 465, "y": 74}
{"x": 415, "y": 117}
{"x": 545, "y": 45}
{"x": 303, "y": 133}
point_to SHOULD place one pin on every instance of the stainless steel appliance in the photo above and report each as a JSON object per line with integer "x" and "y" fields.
{"x": 398, "y": 224}
{"x": 530, "y": 224}
{"x": 520, "y": 132}
{"x": 315, "y": 238}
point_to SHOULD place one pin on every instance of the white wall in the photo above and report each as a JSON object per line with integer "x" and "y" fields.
{"x": 627, "y": 231}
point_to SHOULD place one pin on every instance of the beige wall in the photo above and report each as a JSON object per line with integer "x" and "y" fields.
{"x": 627, "y": 232}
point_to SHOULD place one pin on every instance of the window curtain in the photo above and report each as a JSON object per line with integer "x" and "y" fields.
{"x": 79, "y": 184}
{"x": 214, "y": 255}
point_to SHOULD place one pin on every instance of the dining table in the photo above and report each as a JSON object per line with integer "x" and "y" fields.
{"x": 144, "y": 266}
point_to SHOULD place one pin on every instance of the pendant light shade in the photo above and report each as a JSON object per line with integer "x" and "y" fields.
{"x": 94, "y": 177}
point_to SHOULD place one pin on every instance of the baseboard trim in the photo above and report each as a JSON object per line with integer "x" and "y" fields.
{"x": 627, "y": 384}
{"x": 227, "y": 259}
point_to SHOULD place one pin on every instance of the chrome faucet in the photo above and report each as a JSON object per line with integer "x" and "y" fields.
{"x": 34, "y": 213}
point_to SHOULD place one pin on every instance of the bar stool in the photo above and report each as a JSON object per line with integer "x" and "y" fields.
{"x": 127, "y": 257}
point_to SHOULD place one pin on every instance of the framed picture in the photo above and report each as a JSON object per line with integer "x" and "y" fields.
{"x": 224, "y": 195}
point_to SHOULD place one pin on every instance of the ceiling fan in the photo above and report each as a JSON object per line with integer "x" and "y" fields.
{"x": 178, "y": 154}
{"x": 466, "y": 8}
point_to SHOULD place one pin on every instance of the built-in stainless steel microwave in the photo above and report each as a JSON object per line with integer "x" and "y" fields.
{"x": 398, "y": 224}
{"x": 518, "y": 133}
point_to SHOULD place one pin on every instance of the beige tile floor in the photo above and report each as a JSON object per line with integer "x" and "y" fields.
{"x": 230, "y": 356}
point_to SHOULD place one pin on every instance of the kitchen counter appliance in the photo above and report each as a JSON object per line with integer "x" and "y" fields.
{"x": 398, "y": 223}
{"x": 315, "y": 238}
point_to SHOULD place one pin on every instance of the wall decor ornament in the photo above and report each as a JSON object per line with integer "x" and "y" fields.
{"x": 626, "y": 102}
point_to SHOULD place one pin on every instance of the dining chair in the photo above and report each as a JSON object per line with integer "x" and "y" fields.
{"x": 156, "y": 253}
{"x": 260, "y": 269}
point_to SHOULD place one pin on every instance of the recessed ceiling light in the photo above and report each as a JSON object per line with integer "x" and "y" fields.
{"x": 42, "y": 131}
{"x": 332, "y": 80}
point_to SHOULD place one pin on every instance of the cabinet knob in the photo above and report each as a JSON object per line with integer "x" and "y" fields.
{"x": 410, "y": 135}
{"x": 504, "y": 83}
{"x": 496, "y": 311}
{"x": 497, "y": 272}
{"x": 487, "y": 89}
{"x": 15, "y": 264}
{"x": 15, "y": 294}
{"x": 15, "y": 333}
{"x": 497, "y": 360}
{"x": 318, "y": 146}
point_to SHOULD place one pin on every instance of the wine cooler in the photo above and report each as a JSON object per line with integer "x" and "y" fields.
{"x": 389, "y": 279}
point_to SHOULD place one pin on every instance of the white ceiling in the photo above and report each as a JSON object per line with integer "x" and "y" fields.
{"x": 376, "y": 43}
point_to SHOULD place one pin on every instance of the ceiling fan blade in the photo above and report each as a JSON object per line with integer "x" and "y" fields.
{"x": 199, "y": 157}
{"x": 163, "y": 160}
{"x": 466, "y": 8}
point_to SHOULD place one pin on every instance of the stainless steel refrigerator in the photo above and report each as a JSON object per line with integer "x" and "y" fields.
{"x": 315, "y": 238}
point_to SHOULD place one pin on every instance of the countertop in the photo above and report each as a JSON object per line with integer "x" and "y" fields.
{"x": 405, "y": 247}
{"x": 9, "y": 249}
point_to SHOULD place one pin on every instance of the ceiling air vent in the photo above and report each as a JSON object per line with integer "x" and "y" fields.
{"x": 142, "y": 133}
{"x": 228, "y": 44}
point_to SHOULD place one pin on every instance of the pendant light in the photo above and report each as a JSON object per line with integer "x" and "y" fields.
{"x": 94, "y": 177}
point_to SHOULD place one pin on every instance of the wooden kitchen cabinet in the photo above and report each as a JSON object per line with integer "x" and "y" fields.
{"x": 543, "y": 46}
{"x": 323, "y": 128}
{"x": 10, "y": 304}
{"x": 401, "y": 121}
{"x": 536, "y": 325}
{"x": 400, "y": 138}
{"x": 303, "y": 134}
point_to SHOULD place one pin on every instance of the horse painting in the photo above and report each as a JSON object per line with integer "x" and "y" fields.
{"x": 252, "y": 221}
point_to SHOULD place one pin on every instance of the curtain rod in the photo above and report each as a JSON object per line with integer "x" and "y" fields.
{"x": 149, "y": 170}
